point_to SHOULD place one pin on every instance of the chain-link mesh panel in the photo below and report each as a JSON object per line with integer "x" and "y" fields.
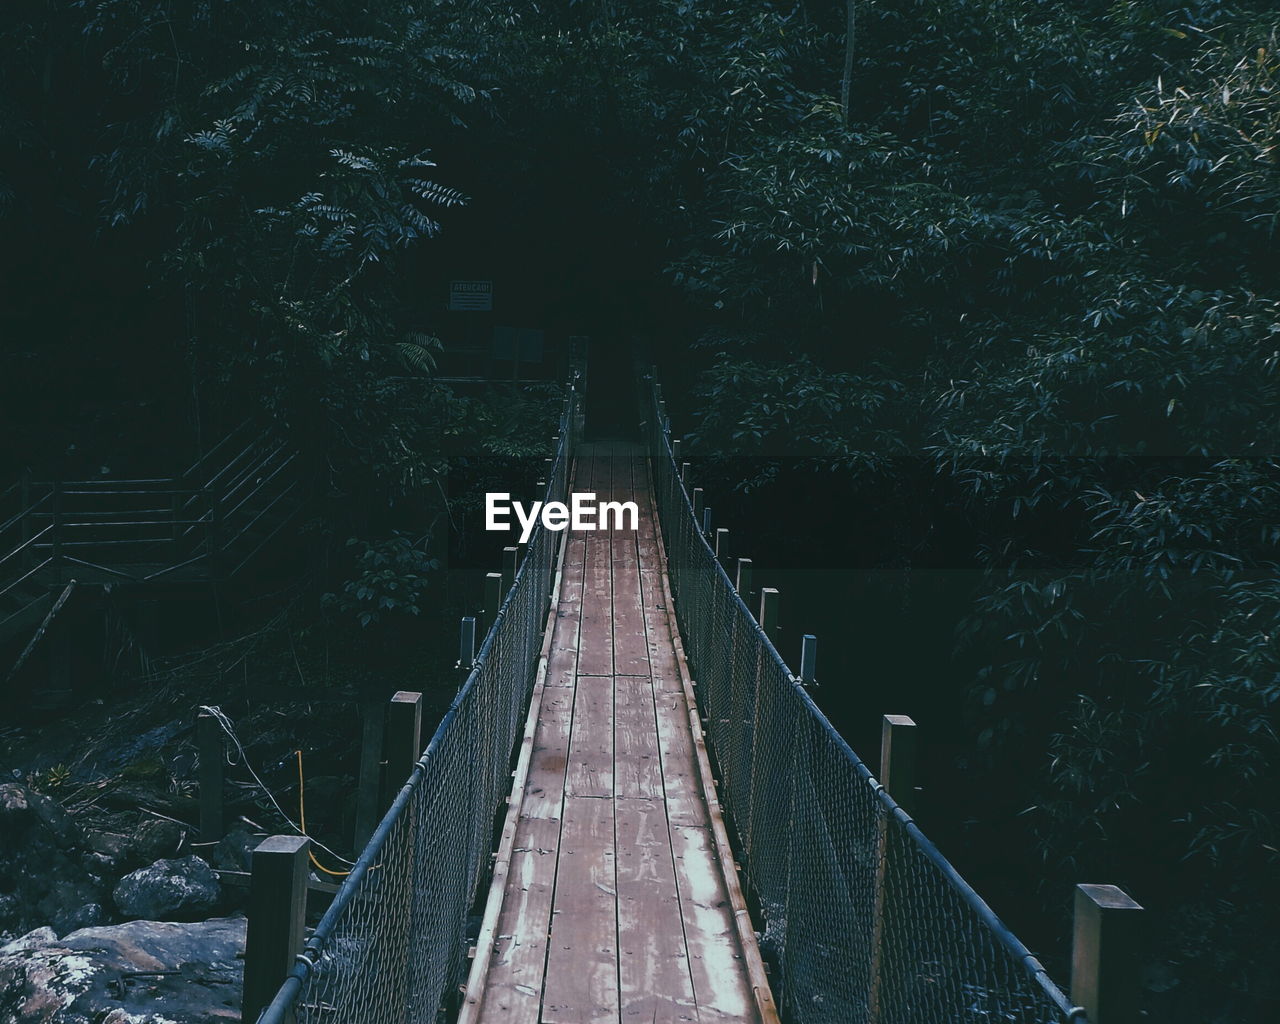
{"x": 392, "y": 946}
{"x": 864, "y": 918}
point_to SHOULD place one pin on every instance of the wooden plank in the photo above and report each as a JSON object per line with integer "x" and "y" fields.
{"x": 637, "y": 761}
{"x": 513, "y": 983}
{"x": 662, "y": 656}
{"x": 653, "y": 962}
{"x": 715, "y": 958}
{"x": 582, "y": 962}
{"x": 630, "y": 647}
{"x": 595, "y": 651}
{"x": 590, "y": 772}
{"x": 544, "y": 788}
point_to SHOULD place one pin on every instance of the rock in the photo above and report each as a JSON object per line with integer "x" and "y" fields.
{"x": 32, "y": 940}
{"x": 234, "y": 851}
{"x": 88, "y": 977}
{"x": 14, "y": 805}
{"x": 113, "y": 850}
{"x": 44, "y": 877}
{"x": 57, "y": 822}
{"x": 87, "y": 915}
{"x": 174, "y": 890}
{"x": 156, "y": 838}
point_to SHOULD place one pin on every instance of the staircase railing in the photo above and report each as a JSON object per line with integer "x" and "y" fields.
{"x": 204, "y": 524}
{"x": 866, "y": 919}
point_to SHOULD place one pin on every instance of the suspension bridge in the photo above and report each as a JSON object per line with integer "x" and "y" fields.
{"x": 634, "y": 812}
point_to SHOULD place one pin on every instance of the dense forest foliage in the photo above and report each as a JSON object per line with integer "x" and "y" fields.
{"x": 1030, "y": 244}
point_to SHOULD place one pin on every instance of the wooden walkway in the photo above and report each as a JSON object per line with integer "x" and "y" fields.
{"x": 614, "y": 899}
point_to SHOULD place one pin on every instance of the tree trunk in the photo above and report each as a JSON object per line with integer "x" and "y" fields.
{"x": 850, "y": 37}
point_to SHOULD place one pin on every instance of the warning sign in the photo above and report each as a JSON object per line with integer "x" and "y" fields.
{"x": 475, "y": 296}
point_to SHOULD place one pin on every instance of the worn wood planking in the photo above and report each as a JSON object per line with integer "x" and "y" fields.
{"x": 662, "y": 656}
{"x": 582, "y": 961}
{"x": 653, "y": 962}
{"x": 630, "y": 646}
{"x": 544, "y": 787}
{"x": 680, "y": 780}
{"x": 590, "y": 772}
{"x": 513, "y": 985}
{"x": 631, "y": 940}
{"x": 637, "y": 761}
{"x": 715, "y": 957}
{"x": 595, "y": 650}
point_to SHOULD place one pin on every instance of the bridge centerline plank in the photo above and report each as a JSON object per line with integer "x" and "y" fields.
{"x": 614, "y": 905}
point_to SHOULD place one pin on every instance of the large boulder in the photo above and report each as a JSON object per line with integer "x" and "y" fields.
{"x": 185, "y": 889}
{"x": 46, "y": 877}
{"x": 141, "y": 972}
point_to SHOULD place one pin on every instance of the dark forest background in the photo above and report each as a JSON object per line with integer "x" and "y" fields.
{"x": 971, "y": 304}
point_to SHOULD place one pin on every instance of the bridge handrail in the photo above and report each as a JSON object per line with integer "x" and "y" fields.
{"x": 391, "y": 946}
{"x": 881, "y": 989}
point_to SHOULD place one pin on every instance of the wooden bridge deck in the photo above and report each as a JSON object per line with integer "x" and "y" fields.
{"x": 613, "y": 899}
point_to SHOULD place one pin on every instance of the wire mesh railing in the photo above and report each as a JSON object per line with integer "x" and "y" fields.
{"x": 391, "y": 948}
{"x": 863, "y": 917}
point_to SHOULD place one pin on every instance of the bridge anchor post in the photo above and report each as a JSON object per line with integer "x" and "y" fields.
{"x": 1105, "y": 971}
{"x": 276, "y": 919}
{"x": 898, "y": 777}
{"x": 510, "y": 566}
{"x": 212, "y": 768}
{"x": 492, "y": 598}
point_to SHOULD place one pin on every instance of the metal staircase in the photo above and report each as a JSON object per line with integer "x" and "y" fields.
{"x": 204, "y": 525}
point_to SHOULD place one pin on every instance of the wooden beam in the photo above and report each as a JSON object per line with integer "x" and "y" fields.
{"x": 276, "y": 919}
{"x": 209, "y": 742}
{"x": 467, "y": 643}
{"x": 510, "y": 564}
{"x": 898, "y": 760}
{"x": 1106, "y": 972}
{"x": 402, "y": 743}
{"x": 808, "y": 659}
{"x": 492, "y": 599}
{"x": 770, "y": 609}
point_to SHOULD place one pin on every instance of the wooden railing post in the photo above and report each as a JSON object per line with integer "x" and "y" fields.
{"x": 209, "y": 742}
{"x": 402, "y": 743}
{"x": 696, "y": 497}
{"x": 770, "y": 608}
{"x": 722, "y": 547}
{"x": 676, "y": 445}
{"x": 898, "y": 760}
{"x": 744, "y": 580}
{"x": 510, "y": 563}
{"x": 1105, "y": 968}
{"x": 898, "y": 776}
{"x": 401, "y": 746}
{"x": 808, "y": 659}
{"x": 467, "y": 643}
{"x": 493, "y": 594}
{"x": 276, "y": 919}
